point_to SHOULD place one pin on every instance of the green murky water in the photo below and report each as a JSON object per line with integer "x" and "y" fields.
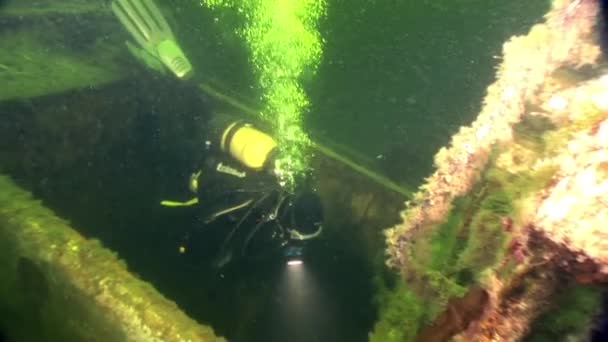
{"x": 101, "y": 139}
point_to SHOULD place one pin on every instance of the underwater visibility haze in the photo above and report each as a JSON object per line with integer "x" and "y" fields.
{"x": 303, "y": 170}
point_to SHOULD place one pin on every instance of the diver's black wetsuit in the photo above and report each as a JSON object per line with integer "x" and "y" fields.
{"x": 247, "y": 203}
{"x": 224, "y": 187}
{"x": 246, "y": 207}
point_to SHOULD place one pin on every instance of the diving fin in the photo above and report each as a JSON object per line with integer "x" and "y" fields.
{"x": 146, "y": 24}
{"x": 146, "y": 58}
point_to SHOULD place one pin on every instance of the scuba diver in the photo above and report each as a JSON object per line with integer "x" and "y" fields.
{"x": 236, "y": 182}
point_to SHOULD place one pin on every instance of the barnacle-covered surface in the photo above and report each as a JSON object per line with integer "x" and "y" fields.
{"x": 527, "y": 61}
{"x": 560, "y": 236}
{"x": 57, "y": 285}
{"x": 573, "y": 210}
{"x": 516, "y": 206}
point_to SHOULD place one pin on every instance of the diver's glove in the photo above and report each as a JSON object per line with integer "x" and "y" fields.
{"x": 192, "y": 186}
{"x": 146, "y": 24}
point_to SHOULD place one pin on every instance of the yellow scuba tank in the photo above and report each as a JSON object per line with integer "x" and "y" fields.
{"x": 247, "y": 144}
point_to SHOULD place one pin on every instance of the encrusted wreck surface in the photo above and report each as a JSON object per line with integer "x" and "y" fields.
{"x": 522, "y": 190}
{"x": 566, "y": 38}
{"x": 57, "y": 285}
